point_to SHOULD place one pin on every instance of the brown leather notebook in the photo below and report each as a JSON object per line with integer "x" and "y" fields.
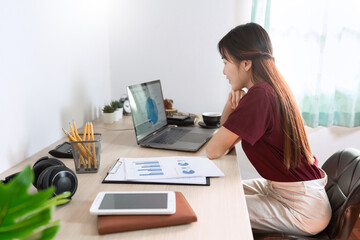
{"x": 122, "y": 223}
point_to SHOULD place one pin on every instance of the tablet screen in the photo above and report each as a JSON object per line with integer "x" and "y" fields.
{"x": 134, "y": 201}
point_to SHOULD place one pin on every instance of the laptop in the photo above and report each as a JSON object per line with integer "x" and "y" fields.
{"x": 151, "y": 126}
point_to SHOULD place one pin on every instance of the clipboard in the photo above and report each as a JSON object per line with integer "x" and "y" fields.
{"x": 207, "y": 183}
{"x": 116, "y": 174}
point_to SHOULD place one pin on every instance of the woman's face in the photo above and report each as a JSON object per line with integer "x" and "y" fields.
{"x": 238, "y": 74}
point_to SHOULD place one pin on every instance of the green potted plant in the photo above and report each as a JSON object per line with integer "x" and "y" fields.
{"x": 108, "y": 114}
{"x": 118, "y": 107}
{"x": 24, "y": 215}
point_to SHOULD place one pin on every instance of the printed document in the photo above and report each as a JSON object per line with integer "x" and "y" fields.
{"x": 169, "y": 168}
{"x": 117, "y": 174}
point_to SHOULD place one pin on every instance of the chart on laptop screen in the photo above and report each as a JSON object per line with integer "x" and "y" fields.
{"x": 147, "y": 107}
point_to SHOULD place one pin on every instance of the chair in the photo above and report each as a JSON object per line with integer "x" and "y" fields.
{"x": 343, "y": 190}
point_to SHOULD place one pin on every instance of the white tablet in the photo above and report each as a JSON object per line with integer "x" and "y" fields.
{"x": 134, "y": 203}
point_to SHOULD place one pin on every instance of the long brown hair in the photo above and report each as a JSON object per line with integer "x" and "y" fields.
{"x": 251, "y": 42}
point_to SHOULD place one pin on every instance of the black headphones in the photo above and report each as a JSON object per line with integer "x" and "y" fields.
{"x": 52, "y": 172}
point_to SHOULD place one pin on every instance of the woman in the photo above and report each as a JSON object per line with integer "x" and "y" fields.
{"x": 290, "y": 197}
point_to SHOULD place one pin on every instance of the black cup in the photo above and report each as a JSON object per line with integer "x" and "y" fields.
{"x": 211, "y": 118}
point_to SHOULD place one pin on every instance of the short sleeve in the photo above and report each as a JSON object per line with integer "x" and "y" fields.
{"x": 252, "y": 117}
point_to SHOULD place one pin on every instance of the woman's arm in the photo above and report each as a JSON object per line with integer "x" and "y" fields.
{"x": 226, "y": 112}
{"x": 231, "y": 103}
{"x": 223, "y": 140}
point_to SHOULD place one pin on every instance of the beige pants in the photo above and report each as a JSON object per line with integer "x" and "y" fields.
{"x": 289, "y": 207}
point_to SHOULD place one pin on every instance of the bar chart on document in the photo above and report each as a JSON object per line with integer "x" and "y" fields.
{"x": 169, "y": 167}
{"x": 148, "y": 168}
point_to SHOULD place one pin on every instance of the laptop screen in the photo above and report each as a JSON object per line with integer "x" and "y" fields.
{"x": 147, "y": 108}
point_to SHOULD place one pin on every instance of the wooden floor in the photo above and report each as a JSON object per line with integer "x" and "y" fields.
{"x": 355, "y": 235}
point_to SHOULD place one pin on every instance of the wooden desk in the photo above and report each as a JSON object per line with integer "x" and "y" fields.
{"x": 220, "y": 207}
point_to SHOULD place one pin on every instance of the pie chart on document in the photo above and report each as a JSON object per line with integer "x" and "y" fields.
{"x": 189, "y": 171}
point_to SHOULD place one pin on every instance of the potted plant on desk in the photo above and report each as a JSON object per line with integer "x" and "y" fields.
{"x": 118, "y": 107}
{"x": 108, "y": 114}
{"x": 24, "y": 215}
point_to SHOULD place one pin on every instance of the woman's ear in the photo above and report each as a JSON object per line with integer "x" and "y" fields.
{"x": 247, "y": 64}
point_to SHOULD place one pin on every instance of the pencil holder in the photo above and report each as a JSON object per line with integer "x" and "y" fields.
{"x": 87, "y": 154}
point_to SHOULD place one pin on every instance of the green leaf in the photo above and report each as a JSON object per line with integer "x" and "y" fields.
{"x": 27, "y": 226}
{"x": 28, "y": 204}
{"x": 24, "y": 215}
{"x": 16, "y": 188}
{"x": 44, "y": 233}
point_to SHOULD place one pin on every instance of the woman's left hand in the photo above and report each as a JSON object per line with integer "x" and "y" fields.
{"x": 234, "y": 98}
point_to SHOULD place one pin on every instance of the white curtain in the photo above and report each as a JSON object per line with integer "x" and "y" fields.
{"x": 317, "y": 49}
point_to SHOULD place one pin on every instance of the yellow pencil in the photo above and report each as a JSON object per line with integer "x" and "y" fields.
{"x": 73, "y": 133}
{"x": 68, "y": 135}
{"x": 89, "y": 146}
{"x": 81, "y": 151}
{"x": 76, "y": 136}
{"x": 75, "y": 128}
{"x": 85, "y": 130}
{"x": 93, "y": 145}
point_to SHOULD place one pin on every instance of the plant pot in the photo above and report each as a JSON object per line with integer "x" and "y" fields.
{"x": 108, "y": 118}
{"x": 118, "y": 114}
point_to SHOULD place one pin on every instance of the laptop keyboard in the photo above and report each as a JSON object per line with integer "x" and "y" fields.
{"x": 170, "y": 136}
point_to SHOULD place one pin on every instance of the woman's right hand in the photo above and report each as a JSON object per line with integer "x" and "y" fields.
{"x": 235, "y": 97}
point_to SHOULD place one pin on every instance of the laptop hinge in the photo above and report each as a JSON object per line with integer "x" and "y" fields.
{"x": 152, "y": 134}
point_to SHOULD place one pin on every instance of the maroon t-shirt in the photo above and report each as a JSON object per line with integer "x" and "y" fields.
{"x": 257, "y": 121}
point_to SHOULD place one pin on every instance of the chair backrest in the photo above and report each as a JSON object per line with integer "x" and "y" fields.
{"x": 343, "y": 190}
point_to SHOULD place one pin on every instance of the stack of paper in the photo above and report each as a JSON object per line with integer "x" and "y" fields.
{"x": 177, "y": 169}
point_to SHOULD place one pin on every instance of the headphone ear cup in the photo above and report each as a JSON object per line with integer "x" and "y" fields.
{"x": 46, "y": 181}
{"x": 38, "y": 167}
{"x": 62, "y": 178}
{"x": 41, "y": 180}
{"x": 42, "y": 164}
{"x": 41, "y": 159}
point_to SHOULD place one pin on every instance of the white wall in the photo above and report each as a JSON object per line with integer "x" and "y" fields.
{"x": 54, "y": 68}
{"x": 62, "y": 60}
{"x": 57, "y": 58}
{"x": 176, "y": 42}
{"x": 326, "y": 141}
